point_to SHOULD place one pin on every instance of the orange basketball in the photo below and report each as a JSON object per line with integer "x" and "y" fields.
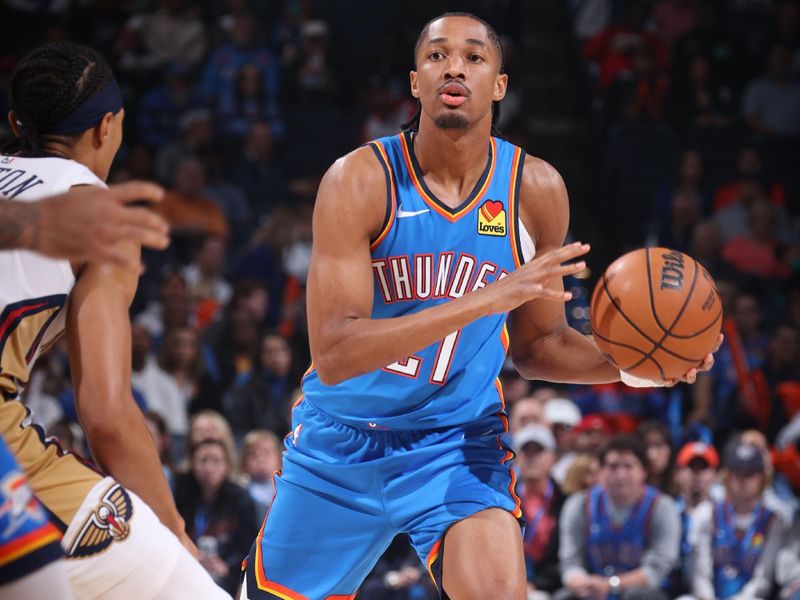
{"x": 656, "y": 313}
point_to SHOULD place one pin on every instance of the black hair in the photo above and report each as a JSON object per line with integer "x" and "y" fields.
{"x": 48, "y": 84}
{"x": 413, "y": 123}
{"x": 625, "y": 444}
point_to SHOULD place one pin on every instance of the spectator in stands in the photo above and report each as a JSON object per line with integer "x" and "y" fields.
{"x": 398, "y": 575}
{"x": 204, "y": 277}
{"x": 772, "y": 102}
{"x": 173, "y": 33}
{"x": 254, "y": 170}
{"x": 583, "y": 473}
{"x": 219, "y": 83}
{"x": 387, "y": 109}
{"x": 229, "y": 197}
{"x": 674, "y": 18}
{"x": 219, "y": 515}
{"x": 312, "y": 77}
{"x": 525, "y": 411}
{"x": 592, "y": 434}
{"x": 639, "y": 94}
{"x": 209, "y": 424}
{"x": 247, "y": 105}
{"x": 777, "y": 497}
{"x": 563, "y": 415}
{"x": 787, "y": 567}
{"x": 782, "y": 378}
{"x": 171, "y": 309}
{"x": 261, "y": 398}
{"x": 697, "y": 99}
{"x": 660, "y": 456}
{"x": 697, "y": 465}
{"x": 261, "y": 458}
{"x": 158, "y": 429}
{"x": 163, "y": 105}
{"x": 195, "y": 137}
{"x": 159, "y": 389}
{"x": 706, "y": 246}
{"x": 735, "y": 541}
{"x": 759, "y": 252}
{"x": 677, "y": 231}
{"x": 542, "y": 501}
{"x": 749, "y": 170}
{"x": 514, "y": 386}
{"x": 689, "y": 179}
{"x": 187, "y": 210}
{"x": 621, "y": 537}
{"x": 612, "y": 49}
{"x": 234, "y": 353}
{"x": 181, "y": 358}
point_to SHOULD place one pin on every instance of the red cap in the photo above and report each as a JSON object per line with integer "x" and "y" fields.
{"x": 698, "y": 450}
{"x": 592, "y": 423}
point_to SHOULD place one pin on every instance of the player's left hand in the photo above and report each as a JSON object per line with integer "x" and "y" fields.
{"x": 691, "y": 374}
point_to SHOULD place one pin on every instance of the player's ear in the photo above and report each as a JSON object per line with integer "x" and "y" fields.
{"x": 103, "y": 129}
{"x": 500, "y": 86}
{"x": 414, "y": 88}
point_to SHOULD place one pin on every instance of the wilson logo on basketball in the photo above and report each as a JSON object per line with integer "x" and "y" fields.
{"x": 492, "y": 218}
{"x": 672, "y": 271}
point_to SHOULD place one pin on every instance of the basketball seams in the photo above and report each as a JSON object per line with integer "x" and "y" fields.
{"x": 635, "y": 349}
{"x": 621, "y": 312}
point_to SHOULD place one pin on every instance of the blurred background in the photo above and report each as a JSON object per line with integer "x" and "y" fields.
{"x": 673, "y": 122}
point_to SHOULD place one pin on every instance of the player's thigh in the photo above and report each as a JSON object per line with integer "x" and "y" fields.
{"x": 483, "y": 558}
{"x": 48, "y": 583}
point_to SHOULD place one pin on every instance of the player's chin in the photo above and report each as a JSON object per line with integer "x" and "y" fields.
{"x": 451, "y": 118}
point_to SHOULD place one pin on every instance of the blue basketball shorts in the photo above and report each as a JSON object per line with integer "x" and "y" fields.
{"x": 344, "y": 493}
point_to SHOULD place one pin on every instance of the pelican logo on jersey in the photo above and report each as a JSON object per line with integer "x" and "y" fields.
{"x": 492, "y": 218}
{"x": 108, "y": 523}
{"x": 423, "y": 276}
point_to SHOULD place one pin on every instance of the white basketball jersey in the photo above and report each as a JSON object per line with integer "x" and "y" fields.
{"x": 33, "y": 288}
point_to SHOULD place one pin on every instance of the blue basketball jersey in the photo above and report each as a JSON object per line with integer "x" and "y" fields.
{"x": 611, "y": 549}
{"x": 426, "y": 254}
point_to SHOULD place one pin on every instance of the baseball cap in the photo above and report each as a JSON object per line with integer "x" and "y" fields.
{"x": 592, "y": 423}
{"x": 745, "y": 458}
{"x": 538, "y": 434}
{"x": 694, "y": 450}
{"x": 562, "y": 411}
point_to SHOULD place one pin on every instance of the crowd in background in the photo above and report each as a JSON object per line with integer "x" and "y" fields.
{"x": 238, "y": 106}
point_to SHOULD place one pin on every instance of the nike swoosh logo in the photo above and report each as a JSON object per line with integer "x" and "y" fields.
{"x": 404, "y": 214}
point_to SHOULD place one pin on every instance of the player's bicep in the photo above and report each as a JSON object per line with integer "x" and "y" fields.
{"x": 349, "y": 210}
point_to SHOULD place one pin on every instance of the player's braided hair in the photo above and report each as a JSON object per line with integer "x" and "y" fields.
{"x": 47, "y": 85}
{"x": 413, "y": 123}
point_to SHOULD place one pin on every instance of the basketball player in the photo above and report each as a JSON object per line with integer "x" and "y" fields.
{"x": 85, "y": 223}
{"x": 66, "y": 111}
{"x": 423, "y": 243}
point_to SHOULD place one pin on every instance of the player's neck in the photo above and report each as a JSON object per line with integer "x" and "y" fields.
{"x": 452, "y": 158}
{"x": 81, "y": 152}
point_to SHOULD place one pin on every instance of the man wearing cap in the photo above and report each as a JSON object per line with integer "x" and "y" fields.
{"x": 562, "y": 414}
{"x": 696, "y": 471}
{"x": 735, "y": 541}
{"x": 542, "y": 501}
{"x": 619, "y": 539}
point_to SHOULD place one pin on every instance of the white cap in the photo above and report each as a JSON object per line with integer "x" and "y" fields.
{"x": 538, "y": 434}
{"x": 562, "y": 411}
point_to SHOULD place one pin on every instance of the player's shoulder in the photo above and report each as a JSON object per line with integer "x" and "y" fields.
{"x": 359, "y": 167}
{"x": 541, "y": 178}
{"x": 544, "y": 204}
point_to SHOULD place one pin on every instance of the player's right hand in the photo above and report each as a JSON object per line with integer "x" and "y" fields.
{"x": 86, "y": 223}
{"x": 531, "y": 280}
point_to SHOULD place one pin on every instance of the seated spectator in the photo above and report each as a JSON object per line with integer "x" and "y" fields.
{"x": 749, "y": 169}
{"x": 261, "y": 458}
{"x": 525, "y": 411}
{"x": 387, "y": 109}
{"x": 312, "y": 77}
{"x": 229, "y": 197}
{"x": 248, "y": 104}
{"x": 677, "y": 231}
{"x": 180, "y": 357}
{"x": 209, "y": 424}
{"x": 219, "y": 515}
{"x": 758, "y": 252}
{"x": 159, "y": 388}
{"x": 562, "y": 415}
{"x": 207, "y": 287}
{"x": 261, "y": 397}
{"x": 398, "y": 575}
{"x": 639, "y": 94}
{"x": 696, "y": 99}
{"x": 158, "y": 429}
{"x": 690, "y": 179}
{"x": 172, "y": 308}
{"x": 787, "y": 567}
{"x": 195, "y": 138}
{"x": 611, "y": 50}
{"x": 706, "y": 246}
{"x": 219, "y": 83}
{"x": 235, "y": 352}
{"x": 772, "y": 102}
{"x": 660, "y": 457}
{"x": 621, "y": 537}
{"x": 592, "y": 434}
{"x": 583, "y": 473}
{"x": 187, "y": 210}
{"x": 162, "y": 107}
{"x": 735, "y": 541}
{"x": 697, "y": 465}
{"x": 541, "y": 502}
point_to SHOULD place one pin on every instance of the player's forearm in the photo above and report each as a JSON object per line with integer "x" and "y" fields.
{"x": 566, "y": 356}
{"x": 18, "y": 224}
{"x": 122, "y": 445}
{"x": 362, "y": 345}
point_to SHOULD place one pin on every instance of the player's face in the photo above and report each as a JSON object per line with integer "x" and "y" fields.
{"x": 457, "y": 76}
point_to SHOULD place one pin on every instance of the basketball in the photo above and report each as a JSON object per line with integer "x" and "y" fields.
{"x": 656, "y": 313}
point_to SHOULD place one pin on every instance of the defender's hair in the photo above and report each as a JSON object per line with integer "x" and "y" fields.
{"x": 48, "y": 84}
{"x": 413, "y": 123}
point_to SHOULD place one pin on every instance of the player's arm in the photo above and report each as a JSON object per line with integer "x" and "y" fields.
{"x": 344, "y": 340}
{"x": 543, "y": 346}
{"x": 99, "y": 337}
{"x": 85, "y": 223}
